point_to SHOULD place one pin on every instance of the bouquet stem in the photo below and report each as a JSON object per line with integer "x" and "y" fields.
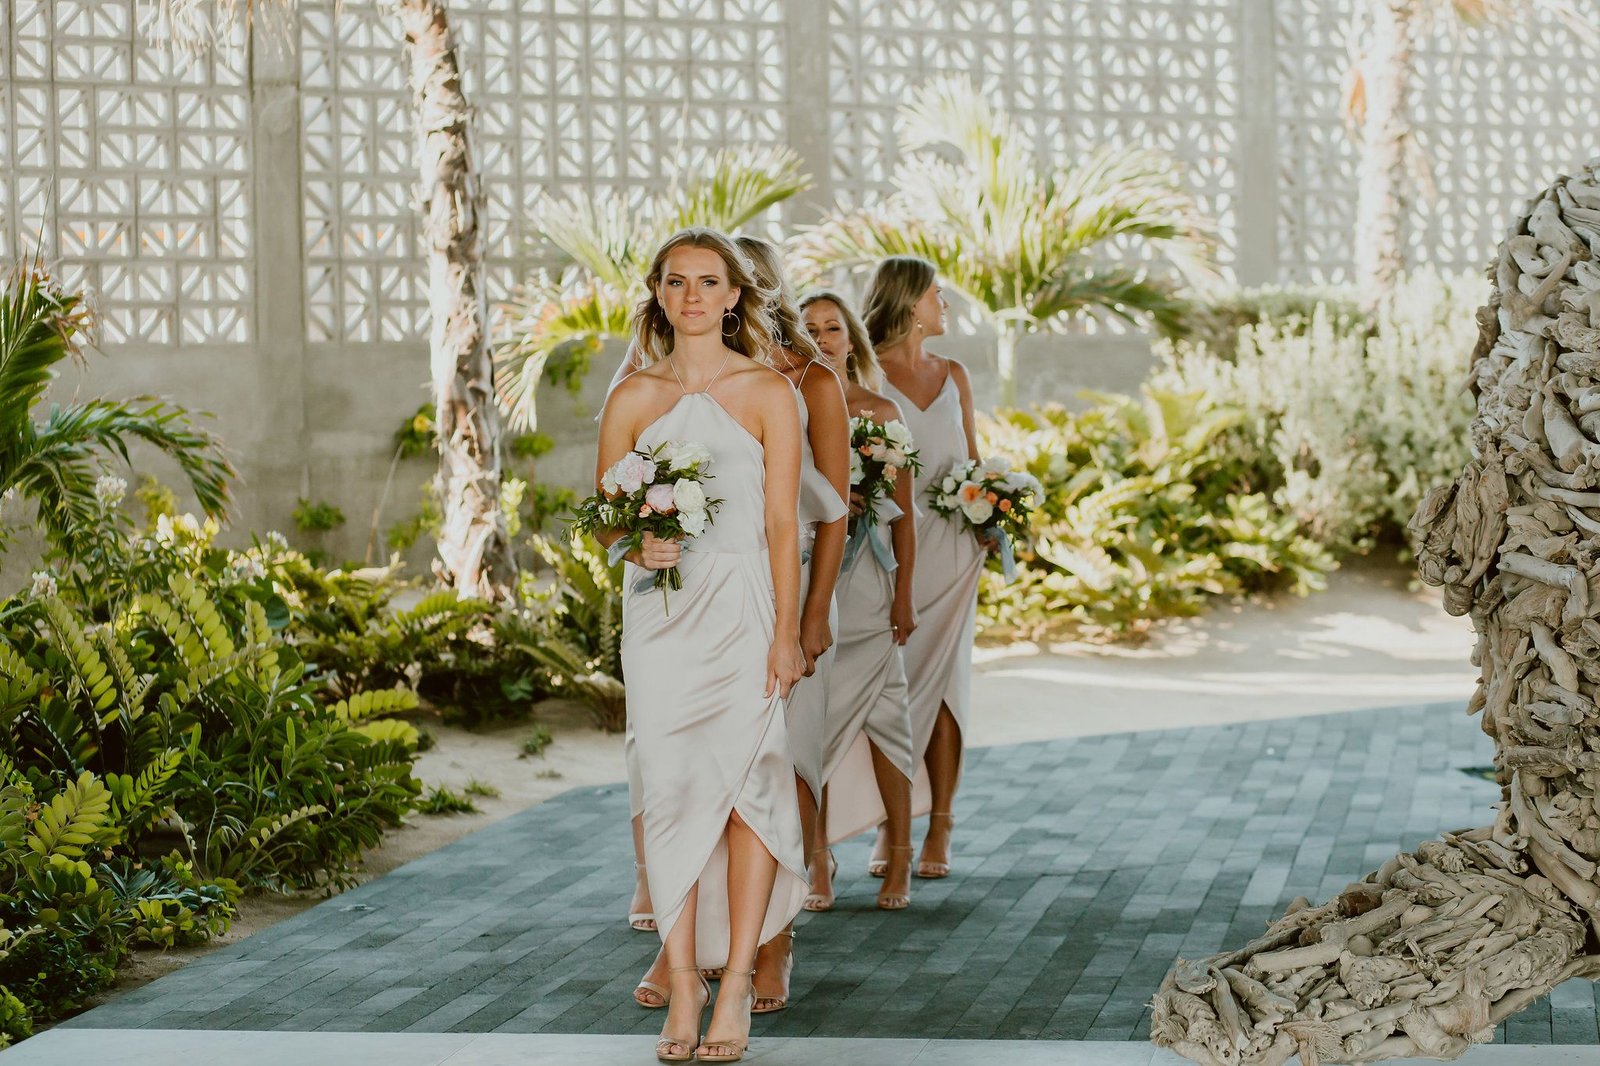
{"x": 666, "y": 579}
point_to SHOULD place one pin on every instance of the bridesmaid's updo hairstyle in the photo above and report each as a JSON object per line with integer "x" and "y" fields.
{"x": 897, "y": 285}
{"x": 862, "y": 364}
{"x": 652, "y": 332}
{"x": 786, "y": 325}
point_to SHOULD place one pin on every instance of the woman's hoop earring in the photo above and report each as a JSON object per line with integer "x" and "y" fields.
{"x": 736, "y": 323}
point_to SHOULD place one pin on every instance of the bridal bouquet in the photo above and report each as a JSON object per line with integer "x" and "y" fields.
{"x": 992, "y": 498}
{"x": 879, "y": 452}
{"x": 660, "y": 491}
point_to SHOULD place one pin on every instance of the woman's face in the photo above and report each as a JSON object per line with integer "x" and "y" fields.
{"x": 694, "y": 290}
{"x": 826, "y": 326}
{"x": 929, "y": 311}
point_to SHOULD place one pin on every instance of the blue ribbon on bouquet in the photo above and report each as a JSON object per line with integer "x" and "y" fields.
{"x": 880, "y": 549}
{"x": 1008, "y": 560}
{"x": 614, "y": 554}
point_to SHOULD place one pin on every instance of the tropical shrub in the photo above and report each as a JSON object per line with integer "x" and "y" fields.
{"x": 1029, "y": 245}
{"x": 572, "y": 626}
{"x": 1348, "y": 419}
{"x": 1143, "y": 517}
{"x": 57, "y": 461}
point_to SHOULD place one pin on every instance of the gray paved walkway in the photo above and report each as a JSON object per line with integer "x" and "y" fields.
{"x": 1083, "y": 867}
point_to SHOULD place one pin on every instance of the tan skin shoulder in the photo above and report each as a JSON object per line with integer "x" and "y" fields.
{"x": 875, "y": 405}
{"x": 747, "y": 387}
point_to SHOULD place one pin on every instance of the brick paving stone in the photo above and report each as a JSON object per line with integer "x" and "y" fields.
{"x": 1083, "y": 868}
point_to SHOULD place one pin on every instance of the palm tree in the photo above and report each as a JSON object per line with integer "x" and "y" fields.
{"x": 1385, "y": 34}
{"x": 56, "y": 462}
{"x": 1027, "y": 245}
{"x": 558, "y": 322}
{"x": 474, "y": 549}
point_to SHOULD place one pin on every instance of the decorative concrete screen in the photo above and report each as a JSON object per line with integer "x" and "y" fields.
{"x": 136, "y": 167}
{"x": 130, "y": 167}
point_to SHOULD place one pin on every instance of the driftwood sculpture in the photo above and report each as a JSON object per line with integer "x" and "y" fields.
{"x": 1424, "y": 956}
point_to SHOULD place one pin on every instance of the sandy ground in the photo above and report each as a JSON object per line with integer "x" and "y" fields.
{"x": 1368, "y": 641}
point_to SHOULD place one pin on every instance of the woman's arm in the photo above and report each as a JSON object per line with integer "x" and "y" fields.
{"x": 829, "y": 433}
{"x": 969, "y": 422}
{"x": 618, "y": 420}
{"x": 903, "y": 539}
{"x": 780, "y": 444}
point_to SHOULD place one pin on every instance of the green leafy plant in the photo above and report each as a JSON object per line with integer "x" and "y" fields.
{"x": 1028, "y": 246}
{"x": 441, "y": 800}
{"x": 576, "y": 634}
{"x": 1143, "y": 517}
{"x": 1348, "y": 419}
{"x": 475, "y": 787}
{"x": 56, "y": 461}
{"x": 319, "y": 517}
{"x": 536, "y": 742}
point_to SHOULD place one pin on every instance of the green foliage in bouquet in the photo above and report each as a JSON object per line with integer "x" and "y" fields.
{"x": 1348, "y": 419}
{"x": 1142, "y": 517}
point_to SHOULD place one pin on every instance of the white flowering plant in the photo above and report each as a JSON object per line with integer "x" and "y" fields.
{"x": 660, "y": 490}
{"x": 879, "y": 453}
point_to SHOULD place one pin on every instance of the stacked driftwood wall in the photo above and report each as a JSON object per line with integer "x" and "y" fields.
{"x": 1424, "y": 956}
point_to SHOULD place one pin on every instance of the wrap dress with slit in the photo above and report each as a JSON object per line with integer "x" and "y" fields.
{"x": 867, "y": 691}
{"x": 705, "y": 740}
{"x": 938, "y": 653}
{"x": 807, "y": 706}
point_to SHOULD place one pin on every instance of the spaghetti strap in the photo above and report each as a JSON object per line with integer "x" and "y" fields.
{"x": 803, "y": 373}
{"x": 685, "y": 389}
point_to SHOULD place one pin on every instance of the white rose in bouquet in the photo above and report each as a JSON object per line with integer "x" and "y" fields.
{"x": 693, "y": 522}
{"x": 978, "y": 511}
{"x": 898, "y": 433}
{"x": 689, "y": 496}
{"x": 684, "y": 454}
{"x": 857, "y": 471}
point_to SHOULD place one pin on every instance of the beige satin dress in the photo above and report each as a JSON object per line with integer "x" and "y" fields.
{"x": 945, "y": 587}
{"x": 705, "y": 740}
{"x": 867, "y": 691}
{"x": 807, "y": 706}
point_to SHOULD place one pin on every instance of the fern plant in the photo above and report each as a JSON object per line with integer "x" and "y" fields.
{"x": 575, "y": 637}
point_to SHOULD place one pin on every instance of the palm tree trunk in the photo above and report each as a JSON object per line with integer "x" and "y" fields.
{"x": 1389, "y": 31}
{"x": 474, "y": 551}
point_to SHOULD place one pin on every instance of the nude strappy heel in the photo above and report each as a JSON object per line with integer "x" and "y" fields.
{"x": 665, "y": 1044}
{"x": 778, "y": 1002}
{"x": 729, "y": 1050}
{"x": 895, "y": 901}
{"x": 932, "y": 871}
{"x": 877, "y": 867}
{"x": 641, "y": 921}
{"x": 816, "y": 901}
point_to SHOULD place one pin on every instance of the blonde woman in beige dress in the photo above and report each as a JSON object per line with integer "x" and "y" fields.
{"x": 707, "y": 671}
{"x": 870, "y": 762}
{"x": 824, "y": 483}
{"x": 903, "y": 309}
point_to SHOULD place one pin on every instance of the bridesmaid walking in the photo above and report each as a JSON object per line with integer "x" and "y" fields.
{"x": 824, "y": 482}
{"x": 706, "y": 682}
{"x": 869, "y": 758}
{"x": 903, "y": 309}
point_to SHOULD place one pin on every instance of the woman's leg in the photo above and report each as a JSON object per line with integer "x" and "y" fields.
{"x": 943, "y": 760}
{"x": 752, "y": 872}
{"x": 894, "y": 788}
{"x": 657, "y": 973}
{"x": 775, "y": 958}
{"x": 641, "y": 886}
{"x": 682, "y": 1027}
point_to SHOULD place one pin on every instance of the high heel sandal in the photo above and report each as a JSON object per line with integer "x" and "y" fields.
{"x": 877, "y": 867}
{"x": 816, "y": 901}
{"x": 665, "y": 1044}
{"x": 779, "y": 1002}
{"x": 895, "y": 901}
{"x": 932, "y": 871}
{"x": 641, "y": 921}
{"x": 738, "y": 1045}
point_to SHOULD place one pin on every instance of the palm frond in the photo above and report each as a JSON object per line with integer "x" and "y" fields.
{"x": 550, "y": 326}
{"x": 1124, "y": 293}
{"x": 735, "y": 187}
{"x": 40, "y": 324}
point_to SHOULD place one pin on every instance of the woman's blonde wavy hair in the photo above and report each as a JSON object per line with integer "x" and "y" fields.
{"x": 897, "y": 285}
{"x": 652, "y": 332}
{"x": 861, "y": 365}
{"x": 786, "y": 325}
